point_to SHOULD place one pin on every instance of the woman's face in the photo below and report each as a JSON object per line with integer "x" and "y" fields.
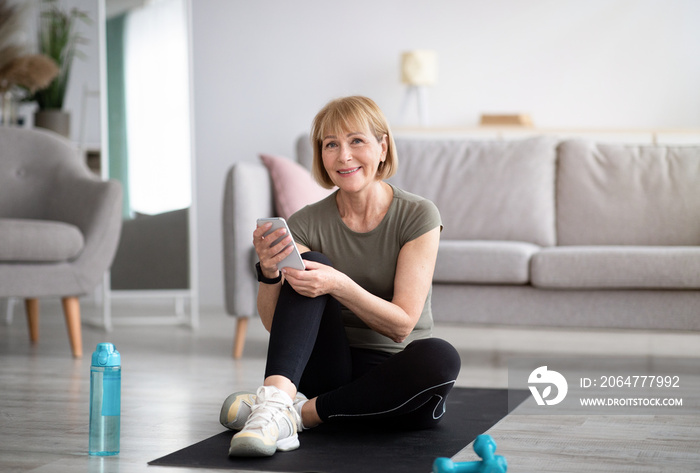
{"x": 351, "y": 158}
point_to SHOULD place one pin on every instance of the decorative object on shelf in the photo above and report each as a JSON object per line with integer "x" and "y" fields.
{"x": 59, "y": 40}
{"x": 20, "y": 73}
{"x": 418, "y": 71}
{"x": 518, "y": 119}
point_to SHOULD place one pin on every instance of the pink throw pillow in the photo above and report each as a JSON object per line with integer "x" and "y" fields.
{"x": 293, "y": 186}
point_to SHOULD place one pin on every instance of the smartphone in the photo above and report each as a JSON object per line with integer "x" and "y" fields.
{"x": 293, "y": 260}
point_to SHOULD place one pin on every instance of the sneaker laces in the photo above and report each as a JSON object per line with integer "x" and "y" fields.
{"x": 271, "y": 409}
{"x": 265, "y": 412}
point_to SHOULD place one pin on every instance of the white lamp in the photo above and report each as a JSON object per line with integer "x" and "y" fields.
{"x": 418, "y": 70}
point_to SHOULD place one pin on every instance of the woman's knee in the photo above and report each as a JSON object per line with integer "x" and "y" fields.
{"x": 440, "y": 358}
{"x": 317, "y": 257}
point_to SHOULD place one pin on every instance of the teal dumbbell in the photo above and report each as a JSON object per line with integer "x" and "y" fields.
{"x": 485, "y": 447}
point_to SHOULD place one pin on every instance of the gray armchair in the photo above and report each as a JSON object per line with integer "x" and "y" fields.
{"x": 59, "y": 225}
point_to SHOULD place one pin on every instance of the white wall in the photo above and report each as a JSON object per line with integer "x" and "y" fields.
{"x": 263, "y": 68}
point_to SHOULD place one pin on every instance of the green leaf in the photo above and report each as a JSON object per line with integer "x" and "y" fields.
{"x": 58, "y": 39}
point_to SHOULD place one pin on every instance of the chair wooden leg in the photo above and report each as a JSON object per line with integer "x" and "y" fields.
{"x": 239, "y": 338}
{"x": 71, "y": 310}
{"x": 32, "y": 308}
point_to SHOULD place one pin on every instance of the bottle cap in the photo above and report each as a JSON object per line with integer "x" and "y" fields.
{"x": 106, "y": 355}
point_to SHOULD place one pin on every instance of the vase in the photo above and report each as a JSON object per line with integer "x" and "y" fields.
{"x": 8, "y": 109}
{"x": 55, "y": 120}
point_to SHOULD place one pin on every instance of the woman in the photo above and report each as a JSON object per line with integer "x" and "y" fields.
{"x": 352, "y": 331}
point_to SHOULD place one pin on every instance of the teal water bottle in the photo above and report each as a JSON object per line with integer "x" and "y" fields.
{"x": 105, "y": 400}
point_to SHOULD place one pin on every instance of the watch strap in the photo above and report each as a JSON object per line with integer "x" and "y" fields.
{"x": 263, "y": 279}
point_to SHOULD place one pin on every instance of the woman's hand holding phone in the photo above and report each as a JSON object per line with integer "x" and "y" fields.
{"x": 275, "y": 246}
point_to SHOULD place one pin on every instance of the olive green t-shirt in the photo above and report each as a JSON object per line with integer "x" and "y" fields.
{"x": 369, "y": 258}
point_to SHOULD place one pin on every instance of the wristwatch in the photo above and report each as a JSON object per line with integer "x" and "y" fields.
{"x": 263, "y": 279}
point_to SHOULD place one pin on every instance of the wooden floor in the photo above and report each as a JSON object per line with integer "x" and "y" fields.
{"x": 174, "y": 381}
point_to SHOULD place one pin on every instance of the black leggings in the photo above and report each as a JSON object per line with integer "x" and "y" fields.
{"x": 308, "y": 346}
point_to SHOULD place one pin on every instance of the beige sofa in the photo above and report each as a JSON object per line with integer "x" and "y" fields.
{"x": 539, "y": 231}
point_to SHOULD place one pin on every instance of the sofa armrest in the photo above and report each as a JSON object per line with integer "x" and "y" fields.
{"x": 305, "y": 153}
{"x": 247, "y": 197}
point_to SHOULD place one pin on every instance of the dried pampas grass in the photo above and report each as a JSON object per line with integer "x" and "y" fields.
{"x": 33, "y": 72}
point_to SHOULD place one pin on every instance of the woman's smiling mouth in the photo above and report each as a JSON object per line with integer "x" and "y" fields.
{"x": 348, "y": 171}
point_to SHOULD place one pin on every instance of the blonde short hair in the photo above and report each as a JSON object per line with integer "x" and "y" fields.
{"x": 345, "y": 114}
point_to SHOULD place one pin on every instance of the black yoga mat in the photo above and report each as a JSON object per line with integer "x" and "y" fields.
{"x": 336, "y": 449}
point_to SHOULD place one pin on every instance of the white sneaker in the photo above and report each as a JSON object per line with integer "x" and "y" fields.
{"x": 271, "y": 426}
{"x": 238, "y": 406}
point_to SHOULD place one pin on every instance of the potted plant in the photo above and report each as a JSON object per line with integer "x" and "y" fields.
{"x": 59, "y": 40}
{"x": 19, "y": 71}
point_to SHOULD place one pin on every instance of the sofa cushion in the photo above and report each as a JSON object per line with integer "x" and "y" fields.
{"x": 485, "y": 190}
{"x": 292, "y": 185}
{"x": 38, "y": 241}
{"x": 483, "y": 262}
{"x": 628, "y": 195}
{"x": 617, "y": 267}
